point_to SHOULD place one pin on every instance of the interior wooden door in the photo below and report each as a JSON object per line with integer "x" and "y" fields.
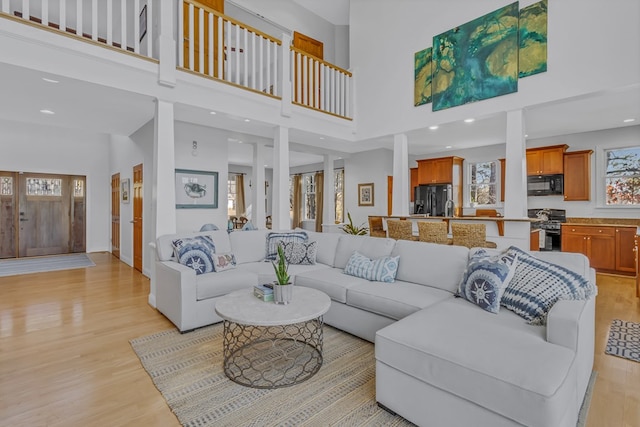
{"x": 115, "y": 215}
{"x": 218, "y": 6}
{"x": 137, "y": 217}
{"x": 314, "y": 48}
{"x": 8, "y": 215}
{"x": 44, "y": 214}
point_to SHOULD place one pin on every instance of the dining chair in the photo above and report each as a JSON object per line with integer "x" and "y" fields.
{"x": 400, "y": 230}
{"x": 470, "y": 235}
{"x": 433, "y": 232}
{"x": 375, "y": 227}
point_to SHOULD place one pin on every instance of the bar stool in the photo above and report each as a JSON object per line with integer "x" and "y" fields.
{"x": 400, "y": 230}
{"x": 433, "y": 232}
{"x": 471, "y": 235}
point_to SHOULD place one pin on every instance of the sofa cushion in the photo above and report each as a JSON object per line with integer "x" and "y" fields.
{"x": 327, "y": 245}
{"x": 274, "y": 238}
{"x": 195, "y": 252}
{"x": 381, "y": 269}
{"x": 371, "y": 247}
{"x": 497, "y": 361}
{"x": 213, "y": 285}
{"x": 394, "y": 301}
{"x": 300, "y": 252}
{"x": 538, "y": 284}
{"x": 486, "y": 277}
{"x": 164, "y": 244}
{"x": 431, "y": 264}
{"x": 223, "y": 261}
{"x": 331, "y": 281}
{"x": 248, "y": 246}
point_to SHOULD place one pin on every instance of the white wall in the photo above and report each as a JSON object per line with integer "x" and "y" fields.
{"x": 592, "y": 47}
{"x": 47, "y": 149}
{"x": 368, "y": 166}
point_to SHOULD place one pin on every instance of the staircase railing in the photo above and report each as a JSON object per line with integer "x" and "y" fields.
{"x": 122, "y": 24}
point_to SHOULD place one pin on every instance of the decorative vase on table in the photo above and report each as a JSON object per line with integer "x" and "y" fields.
{"x": 282, "y": 288}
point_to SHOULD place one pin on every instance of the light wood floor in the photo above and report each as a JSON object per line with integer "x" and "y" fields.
{"x": 65, "y": 358}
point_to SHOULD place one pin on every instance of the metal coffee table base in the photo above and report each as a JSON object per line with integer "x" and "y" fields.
{"x": 272, "y": 356}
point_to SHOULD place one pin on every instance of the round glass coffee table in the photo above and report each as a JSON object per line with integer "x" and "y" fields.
{"x": 268, "y": 345}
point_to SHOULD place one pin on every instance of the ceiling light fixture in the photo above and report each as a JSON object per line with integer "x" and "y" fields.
{"x": 433, "y": 127}
{"x": 469, "y": 120}
{"x": 47, "y": 112}
{"x": 247, "y": 120}
{"x": 449, "y": 146}
{"x": 322, "y": 137}
{"x": 629, "y": 120}
{"x": 213, "y": 112}
{"x": 50, "y": 80}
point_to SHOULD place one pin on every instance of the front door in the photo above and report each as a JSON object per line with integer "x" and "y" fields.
{"x": 44, "y": 214}
{"x": 115, "y": 215}
{"x": 137, "y": 217}
{"x": 8, "y": 215}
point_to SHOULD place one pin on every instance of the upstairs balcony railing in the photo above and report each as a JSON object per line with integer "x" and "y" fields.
{"x": 209, "y": 44}
{"x": 122, "y": 24}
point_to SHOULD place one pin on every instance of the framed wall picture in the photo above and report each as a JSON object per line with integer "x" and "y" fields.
{"x": 125, "y": 187}
{"x": 196, "y": 189}
{"x": 365, "y": 194}
{"x": 143, "y": 22}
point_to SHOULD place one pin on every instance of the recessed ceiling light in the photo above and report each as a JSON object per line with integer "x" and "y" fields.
{"x": 449, "y": 146}
{"x": 322, "y": 137}
{"x": 213, "y": 112}
{"x": 433, "y": 127}
{"x": 50, "y": 80}
{"x": 247, "y": 120}
{"x": 526, "y": 135}
{"x": 47, "y": 112}
{"x": 629, "y": 120}
{"x": 469, "y": 120}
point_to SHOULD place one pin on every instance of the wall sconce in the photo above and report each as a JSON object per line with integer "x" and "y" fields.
{"x": 194, "y": 152}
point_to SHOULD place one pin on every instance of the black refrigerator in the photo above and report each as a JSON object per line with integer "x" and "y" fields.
{"x": 432, "y": 199}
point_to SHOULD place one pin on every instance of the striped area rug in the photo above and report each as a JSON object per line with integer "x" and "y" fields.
{"x": 187, "y": 369}
{"x": 13, "y": 267}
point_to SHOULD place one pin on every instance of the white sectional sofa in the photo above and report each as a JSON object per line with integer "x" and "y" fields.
{"x": 440, "y": 360}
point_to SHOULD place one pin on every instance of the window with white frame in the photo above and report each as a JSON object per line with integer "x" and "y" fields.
{"x": 231, "y": 195}
{"x": 622, "y": 177}
{"x": 338, "y": 181}
{"x": 482, "y": 183}
{"x": 309, "y": 195}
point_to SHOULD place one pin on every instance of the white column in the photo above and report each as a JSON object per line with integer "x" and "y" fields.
{"x": 285, "y": 78}
{"x": 400, "y": 203}
{"x": 515, "y": 197}
{"x": 166, "y": 43}
{"x": 258, "y": 216}
{"x": 329, "y": 199}
{"x": 280, "y": 217}
{"x": 163, "y": 202}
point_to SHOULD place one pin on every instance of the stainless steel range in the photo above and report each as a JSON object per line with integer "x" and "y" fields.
{"x": 550, "y": 220}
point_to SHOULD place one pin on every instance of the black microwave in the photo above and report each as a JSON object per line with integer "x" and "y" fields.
{"x": 545, "y": 185}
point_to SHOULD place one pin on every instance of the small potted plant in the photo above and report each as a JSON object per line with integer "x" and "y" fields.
{"x": 283, "y": 288}
{"x": 354, "y": 229}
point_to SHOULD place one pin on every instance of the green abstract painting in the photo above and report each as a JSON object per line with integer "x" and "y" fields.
{"x": 422, "y": 85}
{"x": 477, "y": 60}
{"x": 533, "y": 39}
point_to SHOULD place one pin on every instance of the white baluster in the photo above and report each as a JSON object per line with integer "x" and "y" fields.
{"x": 269, "y": 77}
{"x": 79, "y": 18}
{"x": 201, "y": 40}
{"x": 136, "y": 27}
{"x": 150, "y": 28}
{"x": 276, "y": 62}
{"x": 347, "y": 98}
{"x": 316, "y": 83}
{"x": 253, "y": 84}
{"x": 261, "y": 67}
{"x": 220, "y": 43}
{"x": 94, "y": 20}
{"x": 245, "y": 64}
{"x": 26, "y": 10}
{"x": 323, "y": 89}
{"x": 45, "y": 12}
{"x": 227, "y": 63}
{"x": 180, "y": 34}
{"x": 109, "y": 21}
{"x": 63, "y": 15}
{"x": 332, "y": 105}
{"x": 236, "y": 55}
{"x": 191, "y": 37}
{"x": 123, "y": 24}
{"x": 5, "y": 6}
{"x": 210, "y": 49}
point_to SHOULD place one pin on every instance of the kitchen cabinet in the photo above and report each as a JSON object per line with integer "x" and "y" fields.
{"x": 609, "y": 248}
{"x": 444, "y": 170}
{"x": 546, "y": 160}
{"x": 577, "y": 175}
{"x": 414, "y": 183}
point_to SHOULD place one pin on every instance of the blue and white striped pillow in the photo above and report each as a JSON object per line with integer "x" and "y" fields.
{"x": 274, "y": 238}
{"x": 379, "y": 270}
{"x": 537, "y": 285}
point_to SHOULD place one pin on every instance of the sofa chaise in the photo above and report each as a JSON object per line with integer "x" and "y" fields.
{"x": 440, "y": 359}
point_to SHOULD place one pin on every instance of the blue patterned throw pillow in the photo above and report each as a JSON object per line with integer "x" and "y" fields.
{"x": 379, "y": 270}
{"x": 486, "y": 277}
{"x": 537, "y": 285}
{"x": 300, "y": 253}
{"x": 195, "y": 252}
{"x": 274, "y": 238}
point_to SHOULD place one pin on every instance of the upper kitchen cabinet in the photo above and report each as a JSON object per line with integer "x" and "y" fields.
{"x": 546, "y": 160}
{"x": 577, "y": 176}
{"x": 443, "y": 170}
